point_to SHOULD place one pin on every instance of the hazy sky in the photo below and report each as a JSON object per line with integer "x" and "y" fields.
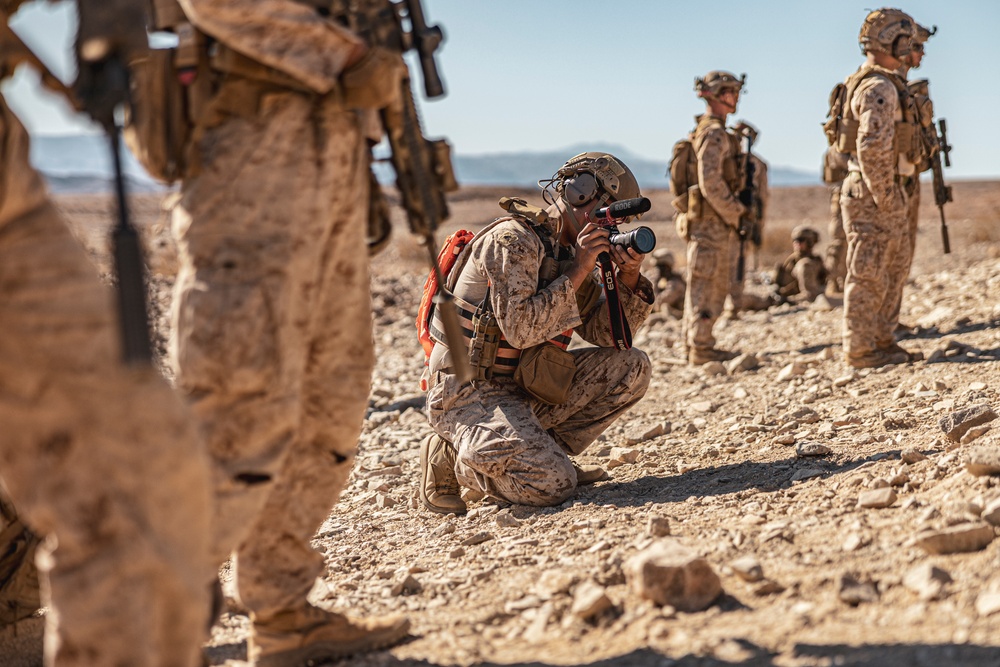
{"x": 548, "y": 74}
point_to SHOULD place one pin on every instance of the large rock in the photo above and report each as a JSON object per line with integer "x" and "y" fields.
{"x": 927, "y": 580}
{"x": 668, "y": 573}
{"x": 957, "y": 424}
{"x": 983, "y": 460}
{"x": 962, "y": 538}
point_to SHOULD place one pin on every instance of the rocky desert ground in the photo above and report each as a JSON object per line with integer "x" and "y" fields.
{"x": 781, "y": 509}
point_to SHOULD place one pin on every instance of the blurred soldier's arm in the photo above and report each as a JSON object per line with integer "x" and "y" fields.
{"x": 283, "y": 34}
{"x": 715, "y": 190}
{"x": 875, "y": 104}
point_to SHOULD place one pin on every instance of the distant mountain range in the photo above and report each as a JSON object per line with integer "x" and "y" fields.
{"x": 82, "y": 164}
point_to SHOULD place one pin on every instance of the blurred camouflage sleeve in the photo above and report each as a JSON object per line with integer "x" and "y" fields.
{"x": 283, "y": 34}
{"x": 874, "y": 104}
{"x": 712, "y": 151}
{"x": 510, "y": 255}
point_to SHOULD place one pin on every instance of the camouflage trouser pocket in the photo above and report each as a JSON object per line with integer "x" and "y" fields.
{"x": 227, "y": 339}
{"x": 867, "y": 256}
{"x": 704, "y": 260}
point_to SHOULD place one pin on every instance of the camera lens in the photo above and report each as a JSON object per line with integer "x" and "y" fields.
{"x": 640, "y": 239}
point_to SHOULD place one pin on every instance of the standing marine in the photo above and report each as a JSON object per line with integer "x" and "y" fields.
{"x": 878, "y": 129}
{"x": 706, "y": 174}
{"x": 271, "y": 315}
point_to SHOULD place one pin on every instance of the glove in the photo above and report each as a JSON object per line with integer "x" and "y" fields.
{"x": 373, "y": 82}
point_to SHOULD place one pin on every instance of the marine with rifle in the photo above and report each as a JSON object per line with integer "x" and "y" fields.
{"x": 100, "y": 457}
{"x": 874, "y": 121}
{"x": 272, "y": 315}
{"x": 707, "y": 174}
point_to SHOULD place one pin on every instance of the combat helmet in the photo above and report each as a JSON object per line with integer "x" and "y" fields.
{"x": 805, "y": 234}
{"x": 889, "y": 31}
{"x": 717, "y": 81}
{"x": 593, "y": 175}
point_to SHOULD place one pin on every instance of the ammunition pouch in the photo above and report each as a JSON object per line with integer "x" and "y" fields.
{"x": 696, "y": 204}
{"x": 546, "y": 372}
{"x": 908, "y": 142}
{"x": 681, "y": 224}
{"x": 833, "y": 175}
{"x": 485, "y": 342}
{"x": 157, "y": 126}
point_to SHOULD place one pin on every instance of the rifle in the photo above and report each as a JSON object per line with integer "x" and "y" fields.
{"x": 109, "y": 30}
{"x": 942, "y": 192}
{"x": 747, "y": 197}
{"x": 423, "y": 167}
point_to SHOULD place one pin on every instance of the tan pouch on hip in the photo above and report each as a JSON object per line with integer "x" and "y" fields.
{"x": 546, "y": 372}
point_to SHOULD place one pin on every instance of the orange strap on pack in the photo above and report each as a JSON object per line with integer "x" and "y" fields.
{"x": 452, "y": 248}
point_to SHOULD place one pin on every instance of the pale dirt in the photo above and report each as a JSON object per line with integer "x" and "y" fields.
{"x": 720, "y": 474}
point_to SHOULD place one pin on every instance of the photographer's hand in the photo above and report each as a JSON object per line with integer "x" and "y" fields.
{"x": 590, "y": 242}
{"x": 629, "y": 263}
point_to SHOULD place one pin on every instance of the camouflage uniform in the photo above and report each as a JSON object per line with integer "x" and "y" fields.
{"x": 509, "y": 445}
{"x": 911, "y": 185}
{"x": 801, "y": 277}
{"x": 272, "y": 314}
{"x": 670, "y": 285}
{"x": 711, "y": 235}
{"x": 835, "y": 170}
{"x": 103, "y": 457}
{"x": 874, "y": 208}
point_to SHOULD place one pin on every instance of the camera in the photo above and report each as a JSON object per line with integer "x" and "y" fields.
{"x": 640, "y": 239}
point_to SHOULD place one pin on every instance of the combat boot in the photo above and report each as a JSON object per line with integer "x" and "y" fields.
{"x": 697, "y": 356}
{"x": 439, "y": 489}
{"x": 589, "y": 473}
{"x": 309, "y": 635}
{"x": 896, "y": 348}
{"x": 879, "y": 358}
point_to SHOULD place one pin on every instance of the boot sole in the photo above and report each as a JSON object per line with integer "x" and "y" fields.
{"x": 424, "y": 446}
{"x": 327, "y": 651}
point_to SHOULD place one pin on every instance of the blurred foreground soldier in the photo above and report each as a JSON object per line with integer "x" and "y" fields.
{"x": 834, "y": 173}
{"x": 524, "y": 285}
{"x": 706, "y": 175}
{"x": 877, "y": 127}
{"x": 670, "y": 285}
{"x": 100, "y": 458}
{"x": 801, "y": 276}
{"x": 272, "y": 314}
